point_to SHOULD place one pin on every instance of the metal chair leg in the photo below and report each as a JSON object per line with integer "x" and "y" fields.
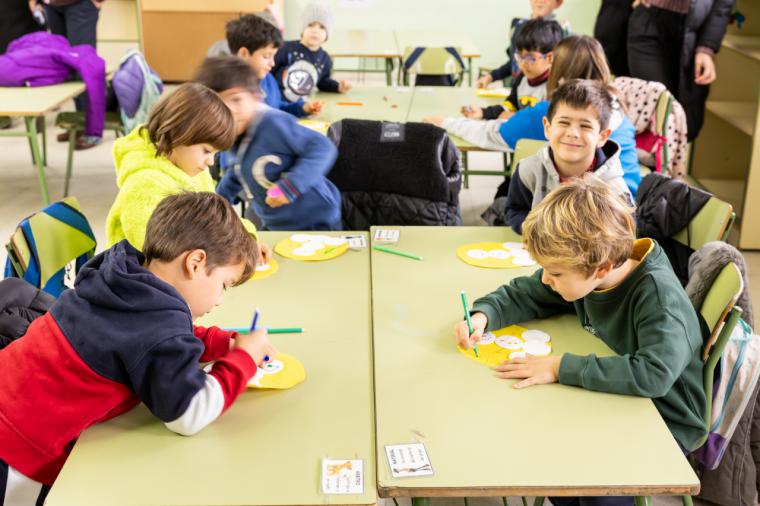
{"x": 31, "y": 129}
{"x": 69, "y": 160}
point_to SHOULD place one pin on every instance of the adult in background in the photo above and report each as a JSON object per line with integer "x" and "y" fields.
{"x": 77, "y": 20}
{"x": 611, "y": 29}
{"x": 674, "y": 42}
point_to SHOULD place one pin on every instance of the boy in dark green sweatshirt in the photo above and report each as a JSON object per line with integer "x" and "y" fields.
{"x": 624, "y": 292}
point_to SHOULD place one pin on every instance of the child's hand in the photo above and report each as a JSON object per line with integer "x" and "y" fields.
{"x": 344, "y": 86}
{"x": 434, "y": 120}
{"x": 506, "y": 114}
{"x": 277, "y": 201}
{"x": 532, "y": 370}
{"x": 313, "y": 107}
{"x": 257, "y": 345}
{"x": 265, "y": 253}
{"x": 483, "y": 81}
{"x": 462, "y": 333}
{"x": 471, "y": 112}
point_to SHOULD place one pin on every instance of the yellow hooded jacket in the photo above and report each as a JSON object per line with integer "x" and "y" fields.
{"x": 144, "y": 179}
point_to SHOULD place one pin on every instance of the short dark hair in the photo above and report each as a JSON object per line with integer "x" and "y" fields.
{"x": 538, "y": 35}
{"x": 200, "y": 220}
{"x": 252, "y": 32}
{"x": 222, "y": 73}
{"x": 583, "y": 93}
{"x": 174, "y": 120}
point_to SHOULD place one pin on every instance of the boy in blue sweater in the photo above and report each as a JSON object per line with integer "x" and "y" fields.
{"x": 300, "y": 65}
{"x": 255, "y": 40}
{"x": 278, "y": 165}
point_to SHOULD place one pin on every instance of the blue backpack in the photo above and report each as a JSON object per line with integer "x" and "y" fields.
{"x": 49, "y": 247}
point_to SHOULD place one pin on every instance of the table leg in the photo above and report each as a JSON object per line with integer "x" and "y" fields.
{"x": 388, "y": 71}
{"x": 44, "y": 139}
{"x": 642, "y": 501}
{"x": 469, "y": 71}
{"x": 420, "y": 501}
{"x": 31, "y": 129}
{"x": 465, "y": 170}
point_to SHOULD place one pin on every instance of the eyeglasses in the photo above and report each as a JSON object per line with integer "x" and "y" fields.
{"x": 530, "y": 59}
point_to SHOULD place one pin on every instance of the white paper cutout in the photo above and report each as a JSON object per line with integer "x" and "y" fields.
{"x": 487, "y": 338}
{"x": 513, "y": 245}
{"x": 477, "y": 253}
{"x": 517, "y": 354}
{"x": 303, "y": 252}
{"x": 509, "y": 342}
{"x": 536, "y": 335}
{"x": 272, "y": 367}
{"x": 335, "y": 241}
{"x": 262, "y": 267}
{"x": 300, "y": 237}
{"x": 499, "y": 254}
{"x": 536, "y": 348}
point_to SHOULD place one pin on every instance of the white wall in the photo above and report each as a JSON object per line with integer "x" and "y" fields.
{"x": 485, "y": 21}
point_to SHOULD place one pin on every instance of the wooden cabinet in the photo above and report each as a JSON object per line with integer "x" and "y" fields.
{"x": 726, "y": 155}
{"x": 176, "y": 35}
{"x": 118, "y": 30}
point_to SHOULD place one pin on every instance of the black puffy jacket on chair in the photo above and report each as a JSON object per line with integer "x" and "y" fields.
{"x": 395, "y": 174}
{"x": 20, "y": 304}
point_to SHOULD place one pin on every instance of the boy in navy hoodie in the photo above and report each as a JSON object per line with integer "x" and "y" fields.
{"x": 300, "y": 65}
{"x": 256, "y": 40}
{"x": 124, "y": 335}
{"x": 277, "y": 165}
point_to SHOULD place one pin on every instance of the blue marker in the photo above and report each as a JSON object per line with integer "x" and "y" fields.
{"x": 256, "y": 314}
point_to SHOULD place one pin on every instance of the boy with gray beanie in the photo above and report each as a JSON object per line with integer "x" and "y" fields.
{"x": 299, "y": 65}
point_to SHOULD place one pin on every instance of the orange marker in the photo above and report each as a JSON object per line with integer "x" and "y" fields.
{"x": 349, "y": 103}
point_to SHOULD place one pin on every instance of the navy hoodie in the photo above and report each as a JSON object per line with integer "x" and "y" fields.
{"x": 121, "y": 336}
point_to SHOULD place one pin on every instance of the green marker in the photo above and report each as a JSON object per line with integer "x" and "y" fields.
{"x": 467, "y": 317}
{"x": 285, "y": 330}
{"x": 329, "y": 250}
{"x": 396, "y": 252}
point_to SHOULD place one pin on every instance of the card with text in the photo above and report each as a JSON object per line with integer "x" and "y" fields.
{"x": 408, "y": 460}
{"x": 342, "y": 476}
{"x": 388, "y": 235}
{"x": 356, "y": 241}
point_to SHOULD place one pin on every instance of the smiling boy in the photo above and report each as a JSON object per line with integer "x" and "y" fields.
{"x": 577, "y": 126}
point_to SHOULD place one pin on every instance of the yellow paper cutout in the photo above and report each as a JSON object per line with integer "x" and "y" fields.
{"x": 492, "y": 92}
{"x": 265, "y": 271}
{"x": 311, "y": 247}
{"x": 317, "y": 125}
{"x": 282, "y": 372}
{"x": 492, "y": 350}
{"x": 508, "y": 255}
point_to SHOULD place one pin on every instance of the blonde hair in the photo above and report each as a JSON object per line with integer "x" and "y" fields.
{"x": 578, "y": 57}
{"x": 583, "y": 225}
{"x": 191, "y": 114}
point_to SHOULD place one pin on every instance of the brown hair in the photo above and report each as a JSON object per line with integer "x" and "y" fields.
{"x": 222, "y": 73}
{"x": 578, "y": 57}
{"x": 582, "y": 224}
{"x": 200, "y": 220}
{"x": 191, "y": 114}
{"x": 583, "y": 93}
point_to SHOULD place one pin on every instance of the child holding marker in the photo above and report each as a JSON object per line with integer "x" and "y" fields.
{"x": 124, "y": 335}
{"x": 623, "y": 291}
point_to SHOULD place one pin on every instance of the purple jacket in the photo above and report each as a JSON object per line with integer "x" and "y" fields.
{"x": 41, "y": 59}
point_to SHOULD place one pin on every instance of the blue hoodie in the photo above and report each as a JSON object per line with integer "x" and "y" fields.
{"x": 296, "y": 159}
{"x": 273, "y": 98}
{"x": 528, "y": 124}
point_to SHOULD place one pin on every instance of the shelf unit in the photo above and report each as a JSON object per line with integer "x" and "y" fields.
{"x": 726, "y": 156}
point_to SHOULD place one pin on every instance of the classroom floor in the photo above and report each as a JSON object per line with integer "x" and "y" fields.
{"x": 93, "y": 183}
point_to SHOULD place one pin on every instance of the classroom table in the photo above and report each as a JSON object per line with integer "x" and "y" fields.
{"x": 32, "y": 103}
{"x": 365, "y": 44}
{"x": 437, "y": 38}
{"x": 267, "y": 448}
{"x": 483, "y": 437}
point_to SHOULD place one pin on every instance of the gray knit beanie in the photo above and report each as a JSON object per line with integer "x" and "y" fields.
{"x": 317, "y": 12}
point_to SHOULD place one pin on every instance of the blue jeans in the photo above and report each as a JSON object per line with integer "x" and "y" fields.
{"x": 78, "y": 23}
{"x": 592, "y": 501}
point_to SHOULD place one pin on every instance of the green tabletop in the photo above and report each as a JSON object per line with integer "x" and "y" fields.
{"x": 483, "y": 437}
{"x": 362, "y": 44}
{"x": 268, "y": 447}
{"x": 447, "y": 101}
{"x": 36, "y": 101}
{"x": 437, "y": 38}
{"x": 372, "y": 103}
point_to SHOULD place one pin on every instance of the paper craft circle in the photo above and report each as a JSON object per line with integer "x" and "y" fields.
{"x": 284, "y": 371}
{"x": 508, "y": 343}
{"x": 266, "y": 270}
{"x": 487, "y": 338}
{"x": 536, "y": 335}
{"x": 513, "y": 245}
{"x": 494, "y": 255}
{"x": 310, "y": 247}
{"x": 536, "y": 348}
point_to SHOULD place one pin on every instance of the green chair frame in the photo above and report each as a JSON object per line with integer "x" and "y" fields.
{"x": 712, "y": 223}
{"x": 433, "y": 61}
{"x": 74, "y": 122}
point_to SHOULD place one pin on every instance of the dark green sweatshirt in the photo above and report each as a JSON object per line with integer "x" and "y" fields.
{"x": 647, "y": 320}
